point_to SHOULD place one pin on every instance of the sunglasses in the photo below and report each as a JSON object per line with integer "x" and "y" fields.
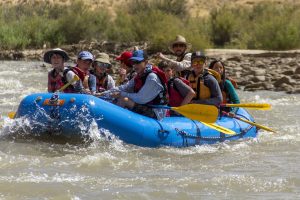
{"x": 198, "y": 62}
{"x": 101, "y": 64}
{"x": 179, "y": 45}
{"x": 135, "y": 62}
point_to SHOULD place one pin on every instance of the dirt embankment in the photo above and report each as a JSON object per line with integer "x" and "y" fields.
{"x": 252, "y": 69}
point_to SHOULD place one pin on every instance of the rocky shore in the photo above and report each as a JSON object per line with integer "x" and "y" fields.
{"x": 252, "y": 69}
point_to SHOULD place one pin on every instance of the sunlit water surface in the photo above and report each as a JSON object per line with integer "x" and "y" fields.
{"x": 263, "y": 168}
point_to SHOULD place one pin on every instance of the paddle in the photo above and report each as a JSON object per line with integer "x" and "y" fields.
{"x": 257, "y": 106}
{"x": 199, "y": 112}
{"x": 75, "y": 78}
{"x": 219, "y": 128}
{"x": 12, "y": 114}
{"x": 249, "y": 122}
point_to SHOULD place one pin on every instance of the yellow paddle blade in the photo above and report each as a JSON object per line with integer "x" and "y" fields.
{"x": 257, "y": 125}
{"x": 11, "y": 115}
{"x": 199, "y": 112}
{"x": 258, "y": 106}
{"x": 219, "y": 128}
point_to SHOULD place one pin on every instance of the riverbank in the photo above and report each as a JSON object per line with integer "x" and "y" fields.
{"x": 252, "y": 69}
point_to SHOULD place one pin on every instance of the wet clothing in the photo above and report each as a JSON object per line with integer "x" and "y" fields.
{"x": 206, "y": 87}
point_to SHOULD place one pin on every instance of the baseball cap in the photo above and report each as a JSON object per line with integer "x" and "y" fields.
{"x": 85, "y": 55}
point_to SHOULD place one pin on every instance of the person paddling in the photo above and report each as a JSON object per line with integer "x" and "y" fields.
{"x": 147, "y": 89}
{"x": 56, "y": 57}
{"x": 204, "y": 84}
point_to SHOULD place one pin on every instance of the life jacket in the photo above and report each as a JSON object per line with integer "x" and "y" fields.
{"x": 198, "y": 85}
{"x": 78, "y": 72}
{"x": 225, "y": 94}
{"x": 101, "y": 82}
{"x": 139, "y": 81}
{"x": 175, "y": 98}
{"x": 55, "y": 81}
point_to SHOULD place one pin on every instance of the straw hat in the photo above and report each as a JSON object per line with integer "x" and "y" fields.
{"x": 180, "y": 40}
{"x": 48, "y": 54}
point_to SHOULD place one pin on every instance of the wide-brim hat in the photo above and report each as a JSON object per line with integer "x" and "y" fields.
{"x": 48, "y": 54}
{"x": 180, "y": 40}
{"x": 102, "y": 57}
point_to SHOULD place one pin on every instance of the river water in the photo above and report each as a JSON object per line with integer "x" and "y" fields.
{"x": 263, "y": 168}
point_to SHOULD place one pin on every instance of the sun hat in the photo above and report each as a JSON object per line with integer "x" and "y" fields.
{"x": 179, "y": 40}
{"x": 103, "y": 58}
{"x": 139, "y": 55}
{"x": 48, "y": 55}
{"x": 85, "y": 55}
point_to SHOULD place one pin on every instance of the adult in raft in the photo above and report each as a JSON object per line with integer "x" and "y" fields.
{"x": 57, "y": 58}
{"x": 179, "y": 47}
{"x": 227, "y": 86}
{"x": 205, "y": 85}
{"x": 146, "y": 90}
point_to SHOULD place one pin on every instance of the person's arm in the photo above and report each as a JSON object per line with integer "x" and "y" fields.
{"x": 185, "y": 91}
{"x": 110, "y": 82}
{"x": 215, "y": 92}
{"x": 185, "y": 64}
{"x": 234, "y": 98}
{"x": 92, "y": 83}
{"x": 78, "y": 87}
{"x": 148, "y": 92}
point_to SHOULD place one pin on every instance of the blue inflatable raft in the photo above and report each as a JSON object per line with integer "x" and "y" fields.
{"x": 73, "y": 115}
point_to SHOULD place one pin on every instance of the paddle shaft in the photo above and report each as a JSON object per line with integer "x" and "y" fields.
{"x": 75, "y": 78}
{"x": 257, "y": 106}
{"x": 249, "y": 122}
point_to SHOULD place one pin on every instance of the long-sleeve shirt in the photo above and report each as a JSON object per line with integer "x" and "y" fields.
{"x": 234, "y": 98}
{"x": 147, "y": 93}
{"x": 185, "y": 64}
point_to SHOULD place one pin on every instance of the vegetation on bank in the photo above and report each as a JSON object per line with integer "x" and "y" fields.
{"x": 264, "y": 26}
